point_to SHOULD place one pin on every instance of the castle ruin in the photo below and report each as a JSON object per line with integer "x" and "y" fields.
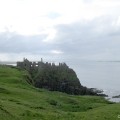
{"x": 28, "y": 65}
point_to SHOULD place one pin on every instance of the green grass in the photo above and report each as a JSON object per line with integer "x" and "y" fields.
{"x": 21, "y": 101}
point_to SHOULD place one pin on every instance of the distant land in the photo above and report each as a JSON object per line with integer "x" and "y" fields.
{"x": 14, "y": 62}
{"x": 109, "y": 61}
{"x": 8, "y": 62}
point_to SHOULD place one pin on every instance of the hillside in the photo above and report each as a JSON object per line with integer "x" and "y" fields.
{"x": 21, "y": 101}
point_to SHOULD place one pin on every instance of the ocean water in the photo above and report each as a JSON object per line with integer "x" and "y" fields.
{"x": 101, "y": 75}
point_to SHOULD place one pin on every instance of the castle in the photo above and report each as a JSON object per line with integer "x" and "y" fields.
{"x": 28, "y": 65}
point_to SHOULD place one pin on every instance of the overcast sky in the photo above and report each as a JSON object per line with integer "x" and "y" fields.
{"x": 60, "y": 30}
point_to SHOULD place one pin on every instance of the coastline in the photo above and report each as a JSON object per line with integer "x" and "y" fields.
{"x": 111, "y": 94}
{"x": 106, "y": 93}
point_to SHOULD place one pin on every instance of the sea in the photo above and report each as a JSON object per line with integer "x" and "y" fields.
{"x": 103, "y": 75}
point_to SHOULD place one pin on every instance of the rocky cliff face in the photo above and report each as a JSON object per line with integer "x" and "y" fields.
{"x": 59, "y": 79}
{"x": 55, "y": 77}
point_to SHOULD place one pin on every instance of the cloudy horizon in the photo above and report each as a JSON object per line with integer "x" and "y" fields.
{"x": 57, "y": 30}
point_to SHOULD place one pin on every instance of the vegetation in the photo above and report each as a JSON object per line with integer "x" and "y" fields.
{"x": 21, "y": 101}
{"x": 59, "y": 78}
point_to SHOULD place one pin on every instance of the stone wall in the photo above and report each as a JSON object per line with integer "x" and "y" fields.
{"x": 28, "y": 65}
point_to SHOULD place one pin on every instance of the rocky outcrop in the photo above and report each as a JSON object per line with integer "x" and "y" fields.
{"x": 55, "y": 77}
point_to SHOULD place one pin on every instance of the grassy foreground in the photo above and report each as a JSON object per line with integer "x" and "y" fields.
{"x": 21, "y": 101}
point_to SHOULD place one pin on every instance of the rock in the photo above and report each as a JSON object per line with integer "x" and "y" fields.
{"x": 118, "y": 96}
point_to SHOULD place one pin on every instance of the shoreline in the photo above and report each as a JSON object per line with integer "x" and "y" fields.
{"x": 111, "y": 95}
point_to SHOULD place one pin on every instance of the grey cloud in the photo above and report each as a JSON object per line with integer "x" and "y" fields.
{"x": 14, "y": 47}
{"x": 94, "y": 40}
{"x": 14, "y": 43}
{"x": 97, "y": 39}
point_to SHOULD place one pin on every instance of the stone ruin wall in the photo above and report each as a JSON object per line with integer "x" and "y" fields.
{"x": 26, "y": 64}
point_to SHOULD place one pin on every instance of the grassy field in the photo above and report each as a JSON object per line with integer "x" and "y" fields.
{"x": 21, "y": 101}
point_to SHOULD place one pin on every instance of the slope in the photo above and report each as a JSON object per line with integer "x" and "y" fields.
{"x": 21, "y": 101}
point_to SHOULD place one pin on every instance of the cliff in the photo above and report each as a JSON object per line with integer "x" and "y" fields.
{"x": 54, "y": 77}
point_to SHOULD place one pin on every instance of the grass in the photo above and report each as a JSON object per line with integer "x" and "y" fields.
{"x": 21, "y": 101}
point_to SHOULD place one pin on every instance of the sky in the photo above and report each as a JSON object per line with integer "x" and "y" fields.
{"x": 60, "y": 30}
